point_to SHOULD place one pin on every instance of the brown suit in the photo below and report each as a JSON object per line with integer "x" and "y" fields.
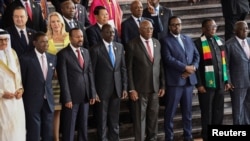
{"x": 146, "y": 78}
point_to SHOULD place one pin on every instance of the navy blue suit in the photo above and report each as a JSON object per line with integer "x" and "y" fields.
{"x": 178, "y": 89}
{"x": 39, "y": 110}
{"x": 16, "y": 42}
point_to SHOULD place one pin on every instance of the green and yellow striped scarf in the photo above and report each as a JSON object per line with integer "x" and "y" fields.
{"x": 209, "y": 68}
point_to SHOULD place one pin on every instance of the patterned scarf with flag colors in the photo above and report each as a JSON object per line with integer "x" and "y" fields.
{"x": 209, "y": 68}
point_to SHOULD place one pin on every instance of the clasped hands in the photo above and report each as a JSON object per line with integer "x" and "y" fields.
{"x": 18, "y": 94}
{"x": 188, "y": 71}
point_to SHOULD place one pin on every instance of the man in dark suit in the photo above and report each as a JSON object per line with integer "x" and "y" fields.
{"x": 145, "y": 81}
{"x": 110, "y": 74}
{"x": 68, "y": 12}
{"x": 35, "y": 18}
{"x": 77, "y": 86}
{"x": 38, "y": 97}
{"x": 94, "y": 31}
{"x": 237, "y": 49}
{"x": 130, "y": 27}
{"x": 211, "y": 95}
{"x": 162, "y": 12}
{"x": 181, "y": 59}
{"x": 233, "y": 11}
{"x": 81, "y": 13}
{"x": 19, "y": 43}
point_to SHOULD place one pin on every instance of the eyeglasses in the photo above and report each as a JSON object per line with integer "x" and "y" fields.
{"x": 4, "y": 40}
{"x": 212, "y": 27}
{"x": 175, "y": 25}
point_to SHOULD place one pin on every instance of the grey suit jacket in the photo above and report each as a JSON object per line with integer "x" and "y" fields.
{"x": 143, "y": 75}
{"x": 238, "y": 63}
{"x": 107, "y": 77}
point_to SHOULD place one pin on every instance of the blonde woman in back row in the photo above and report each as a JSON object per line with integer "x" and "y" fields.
{"x": 58, "y": 39}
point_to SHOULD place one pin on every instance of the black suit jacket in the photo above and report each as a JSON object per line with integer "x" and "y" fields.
{"x": 216, "y": 62}
{"x": 33, "y": 81}
{"x": 81, "y": 26}
{"x": 143, "y": 75}
{"x": 164, "y": 14}
{"x": 130, "y": 30}
{"x": 234, "y": 7}
{"x": 16, "y": 42}
{"x": 107, "y": 78}
{"x": 76, "y": 84}
{"x": 83, "y": 15}
{"x": 37, "y": 23}
{"x": 94, "y": 35}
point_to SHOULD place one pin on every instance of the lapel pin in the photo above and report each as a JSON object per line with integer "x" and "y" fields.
{"x": 33, "y": 5}
{"x": 29, "y": 33}
{"x": 115, "y": 48}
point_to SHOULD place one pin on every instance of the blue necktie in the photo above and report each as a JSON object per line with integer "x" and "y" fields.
{"x": 111, "y": 55}
{"x": 180, "y": 41}
{"x": 23, "y": 39}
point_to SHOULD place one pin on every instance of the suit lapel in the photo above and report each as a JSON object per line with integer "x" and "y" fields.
{"x": 176, "y": 42}
{"x": 36, "y": 63}
{"x": 239, "y": 45}
{"x": 141, "y": 44}
{"x": 50, "y": 65}
{"x": 17, "y": 36}
{"x": 72, "y": 54}
{"x": 105, "y": 53}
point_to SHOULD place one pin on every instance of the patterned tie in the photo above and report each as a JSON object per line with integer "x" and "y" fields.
{"x": 246, "y": 48}
{"x": 23, "y": 39}
{"x": 28, "y": 10}
{"x": 149, "y": 51}
{"x": 111, "y": 55}
{"x": 80, "y": 58}
{"x": 44, "y": 66}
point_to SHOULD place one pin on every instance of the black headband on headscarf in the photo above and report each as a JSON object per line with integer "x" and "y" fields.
{"x": 3, "y": 32}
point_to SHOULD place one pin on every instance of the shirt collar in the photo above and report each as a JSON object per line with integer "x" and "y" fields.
{"x": 135, "y": 18}
{"x": 38, "y": 54}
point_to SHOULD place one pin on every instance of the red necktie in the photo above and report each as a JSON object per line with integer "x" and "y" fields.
{"x": 80, "y": 58}
{"x": 28, "y": 10}
{"x": 149, "y": 51}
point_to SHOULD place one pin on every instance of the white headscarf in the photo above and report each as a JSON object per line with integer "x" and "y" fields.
{"x": 8, "y": 52}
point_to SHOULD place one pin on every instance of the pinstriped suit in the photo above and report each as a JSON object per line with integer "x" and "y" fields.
{"x": 239, "y": 70}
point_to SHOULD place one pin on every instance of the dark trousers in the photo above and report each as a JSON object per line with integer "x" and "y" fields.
{"x": 69, "y": 121}
{"x": 108, "y": 111}
{"x": 39, "y": 123}
{"x": 145, "y": 116}
{"x": 212, "y": 109}
{"x": 174, "y": 96}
